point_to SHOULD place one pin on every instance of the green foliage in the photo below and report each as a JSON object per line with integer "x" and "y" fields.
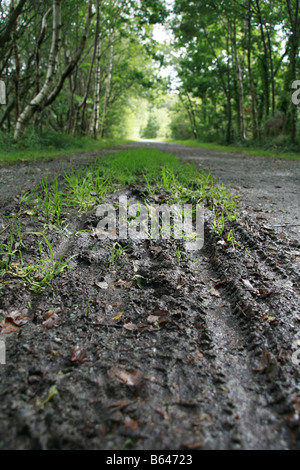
{"x": 34, "y": 145}
{"x": 151, "y": 129}
{"x": 37, "y": 274}
{"x": 237, "y": 63}
{"x": 127, "y": 26}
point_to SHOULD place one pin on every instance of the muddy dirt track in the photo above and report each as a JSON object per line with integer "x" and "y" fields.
{"x": 200, "y": 354}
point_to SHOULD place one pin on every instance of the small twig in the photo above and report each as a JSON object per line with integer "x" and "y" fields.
{"x": 287, "y": 225}
{"x": 2, "y": 231}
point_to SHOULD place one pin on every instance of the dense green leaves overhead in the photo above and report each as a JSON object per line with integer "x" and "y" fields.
{"x": 70, "y": 65}
{"x": 238, "y": 61}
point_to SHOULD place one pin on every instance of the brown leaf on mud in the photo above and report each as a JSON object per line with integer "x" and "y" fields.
{"x": 155, "y": 249}
{"x": 8, "y": 328}
{"x": 199, "y": 355}
{"x": 130, "y": 424}
{"x": 293, "y": 419}
{"x": 160, "y": 312}
{"x": 119, "y": 404}
{"x": 220, "y": 284}
{"x": 152, "y": 319}
{"x": 180, "y": 282}
{"x": 214, "y": 292}
{"x": 264, "y": 362}
{"x": 50, "y": 313}
{"x": 101, "y": 285}
{"x": 96, "y": 233}
{"x": 121, "y": 283}
{"x": 52, "y": 322}
{"x": 131, "y": 379}
{"x": 78, "y": 354}
{"x": 192, "y": 445}
{"x": 263, "y": 291}
{"x": 18, "y": 317}
{"x": 162, "y": 413}
{"x": 130, "y": 327}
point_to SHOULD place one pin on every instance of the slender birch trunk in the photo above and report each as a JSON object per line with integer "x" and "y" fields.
{"x": 108, "y": 86}
{"x": 73, "y": 61}
{"x": 294, "y": 50}
{"x": 82, "y": 104}
{"x": 94, "y": 127}
{"x": 39, "y": 100}
{"x": 250, "y": 72}
{"x": 17, "y": 65}
{"x": 38, "y": 49}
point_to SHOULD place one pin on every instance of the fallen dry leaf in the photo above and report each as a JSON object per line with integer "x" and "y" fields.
{"x": 180, "y": 282}
{"x": 162, "y": 413}
{"x": 50, "y": 313}
{"x": 101, "y": 285}
{"x": 264, "y": 362}
{"x": 18, "y": 317}
{"x": 78, "y": 354}
{"x": 130, "y": 327}
{"x": 221, "y": 283}
{"x": 214, "y": 292}
{"x": 192, "y": 445}
{"x": 156, "y": 249}
{"x": 199, "y": 354}
{"x": 125, "y": 284}
{"x": 131, "y": 424}
{"x": 118, "y": 404}
{"x": 8, "y": 328}
{"x": 129, "y": 378}
{"x": 52, "y": 322}
{"x": 118, "y": 316}
{"x": 160, "y": 312}
{"x": 152, "y": 319}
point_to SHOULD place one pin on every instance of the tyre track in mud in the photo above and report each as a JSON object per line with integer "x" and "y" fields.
{"x": 254, "y": 353}
{"x": 239, "y": 388}
{"x": 216, "y": 373}
{"x": 198, "y": 385}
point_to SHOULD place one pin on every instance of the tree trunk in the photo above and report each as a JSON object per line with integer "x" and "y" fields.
{"x": 250, "y": 72}
{"x": 294, "y": 20}
{"x": 190, "y": 112}
{"x": 97, "y": 88}
{"x": 40, "y": 99}
{"x": 265, "y": 62}
{"x": 108, "y": 87}
{"x": 239, "y": 67}
{"x": 8, "y": 28}
{"x": 73, "y": 62}
{"x": 38, "y": 49}
{"x": 82, "y": 104}
{"x": 226, "y": 87}
{"x": 17, "y": 66}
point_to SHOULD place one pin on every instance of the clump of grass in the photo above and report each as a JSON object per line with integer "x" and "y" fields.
{"x": 255, "y": 149}
{"x": 35, "y": 145}
{"x": 115, "y": 253}
{"x": 11, "y": 247}
{"x": 36, "y": 275}
{"x": 154, "y": 170}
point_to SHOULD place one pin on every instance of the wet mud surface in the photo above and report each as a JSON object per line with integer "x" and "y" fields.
{"x": 160, "y": 350}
